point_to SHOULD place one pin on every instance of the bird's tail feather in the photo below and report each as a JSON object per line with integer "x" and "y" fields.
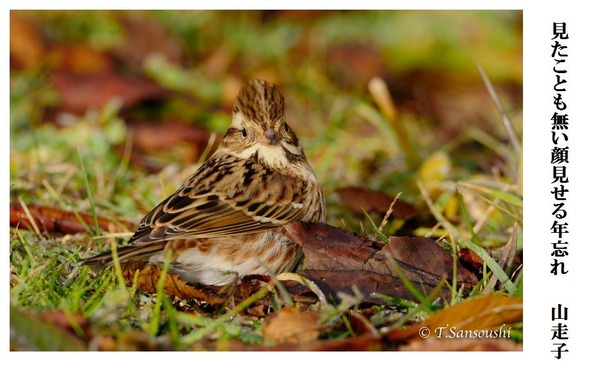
{"x": 124, "y": 254}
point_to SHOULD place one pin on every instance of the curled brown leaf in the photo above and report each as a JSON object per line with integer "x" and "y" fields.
{"x": 57, "y": 221}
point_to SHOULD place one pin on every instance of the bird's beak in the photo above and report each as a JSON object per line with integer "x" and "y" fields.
{"x": 271, "y": 137}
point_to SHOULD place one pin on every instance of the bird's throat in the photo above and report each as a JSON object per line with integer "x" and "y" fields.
{"x": 271, "y": 156}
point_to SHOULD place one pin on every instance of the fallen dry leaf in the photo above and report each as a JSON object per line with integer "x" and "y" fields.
{"x": 423, "y": 260}
{"x": 360, "y": 199}
{"x": 80, "y": 93}
{"x": 51, "y": 220}
{"x": 328, "y": 248}
{"x": 149, "y": 137}
{"x": 485, "y": 313}
{"x": 291, "y": 326}
{"x": 470, "y": 259}
{"x": 442, "y": 344}
{"x": 149, "y": 275}
{"x": 344, "y": 254}
{"x": 370, "y": 284}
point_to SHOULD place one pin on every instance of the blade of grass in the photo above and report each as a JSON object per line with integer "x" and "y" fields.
{"x": 117, "y": 263}
{"x": 466, "y": 218}
{"x": 488, "y": 260}
{"x": 34, "y": 225}
{"x": 98, "y": 289}
{"x": 65, "y": 206}
{"x": 425, "y": 307}
{"x": 205, "y": 153}
{"x": 389, "y": 212}
{"x": 375, "y": 229}
{"x": 171, "y": 314}
{"x": 407, "y": 283}
{"x": 89, "y": 194}
{"x": 510, "y": 130}
{"x": 154, "y": 320}
{"x": 209, "y": 326}
{"x": 453, "y": 290}
{"x": 508, "y": 253}
{"x": 502, "y": 195}
{"x": 306, "y": 283}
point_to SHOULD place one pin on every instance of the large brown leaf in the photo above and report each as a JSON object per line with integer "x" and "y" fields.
{"x": 329, "y": 248}
{"x": 371, "y": 284}
{"x": 485, "y": 313}
{"x": 423, "y": 260}
{"x": 79, "y": 93}
{"x": 336, "y": 259}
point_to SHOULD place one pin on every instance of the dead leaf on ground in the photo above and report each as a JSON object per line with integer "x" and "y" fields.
{"x": 352, "y": 259}
{"x": 291, "y": 326}
{"x": 328, "y": 248}
{"x": 423, "y": 261}
{"x": 149, "y": 276}
{"x": 360, "y": 199}
{"x": 370, "y": 284}
{"x": 56, "y": 221}
{"x": 489, "y": 312}
{"x": 80, "y": 93}
{"x": 471, "y": 259}
{"x": 443, "y": 344}
{"x": 152, "y": 136}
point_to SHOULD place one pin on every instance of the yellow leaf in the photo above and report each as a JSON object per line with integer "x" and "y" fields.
{"x": 487, "y": 312}
{"x": 435, "y": 168}
{"x": 484, "y": 318}
{"x": 291, "y": 326}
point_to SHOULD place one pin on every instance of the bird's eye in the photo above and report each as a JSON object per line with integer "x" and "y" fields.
{"x": 287, "y": 129}
{"x": 244, "y": 132}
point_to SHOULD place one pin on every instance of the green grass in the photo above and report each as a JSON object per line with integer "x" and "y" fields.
{"x": 84, "y": 165}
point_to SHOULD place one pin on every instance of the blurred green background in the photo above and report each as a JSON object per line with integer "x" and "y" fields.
{"x": 157, "y": 84}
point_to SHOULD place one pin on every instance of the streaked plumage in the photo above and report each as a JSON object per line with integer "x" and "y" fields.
{"x": 226, "y": 220}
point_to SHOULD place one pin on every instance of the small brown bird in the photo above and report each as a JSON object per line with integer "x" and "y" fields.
{"x": 226, "y": 220}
